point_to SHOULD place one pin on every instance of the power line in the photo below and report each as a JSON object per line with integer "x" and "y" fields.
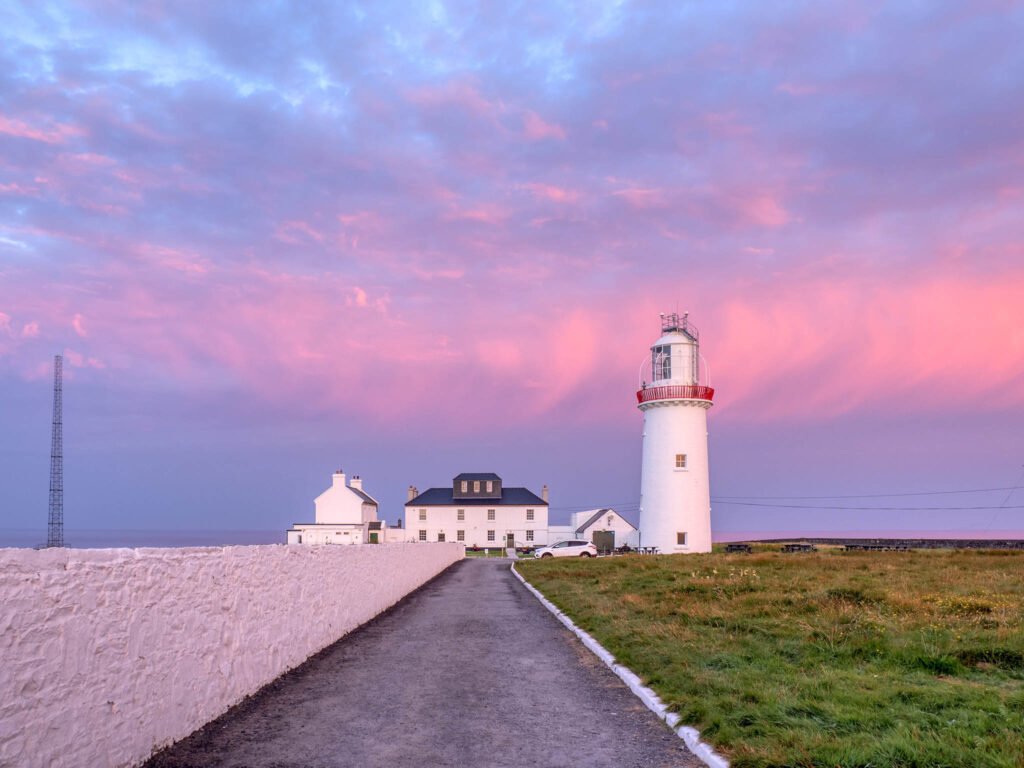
{"x": 829, "y": 506}
{"x": 1010, "y": 488}
{"x": 753, "y": 501}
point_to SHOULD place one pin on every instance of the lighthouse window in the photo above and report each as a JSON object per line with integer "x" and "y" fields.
{"x": 661, "y": 362}
{"x": 681, "y": 539}
{"x": 680, "y": 461}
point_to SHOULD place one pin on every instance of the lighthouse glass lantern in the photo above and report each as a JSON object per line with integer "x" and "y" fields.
{"x": 675, "y": 495}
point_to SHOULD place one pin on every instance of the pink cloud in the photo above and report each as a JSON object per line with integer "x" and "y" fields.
{"x": 552, "y": 193}
{"x": 764, "y": 211}
{"x": 30, "y": 330}
{"x": 814, "y": 349}
{"x": 78, "y": 323}
{"x": 485, "y": 213}
{"x": 58, "y": 133}
{"x": 797, "y": 89}
{"x": 640, "y": 197}
{"x": 460, "y": 93}
{"x": 296, "y": 232}
{"x": 536, "y": 129}
{"x": 176, "y": 259}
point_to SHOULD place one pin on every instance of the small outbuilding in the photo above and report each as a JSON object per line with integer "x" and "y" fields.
{"x": 605, "y": 527}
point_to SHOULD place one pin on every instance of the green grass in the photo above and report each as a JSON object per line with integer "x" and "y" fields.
{"x": 827, "y": 659}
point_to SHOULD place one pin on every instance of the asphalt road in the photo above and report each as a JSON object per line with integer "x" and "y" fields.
{"x": 470, "y": 670}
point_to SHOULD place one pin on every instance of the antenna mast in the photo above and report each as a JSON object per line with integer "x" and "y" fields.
{"x": 55, "y": 529}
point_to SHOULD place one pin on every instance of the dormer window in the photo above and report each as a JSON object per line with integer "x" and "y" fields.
{"x": 490, "y": 486}
{"x": 465, "y": 486}
{"x": 476, "y": 486}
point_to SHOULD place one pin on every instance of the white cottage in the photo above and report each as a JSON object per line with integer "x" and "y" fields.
{"x": 345, "y": 514}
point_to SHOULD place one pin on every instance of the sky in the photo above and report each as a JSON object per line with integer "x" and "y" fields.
{"x": 416, "y": 239}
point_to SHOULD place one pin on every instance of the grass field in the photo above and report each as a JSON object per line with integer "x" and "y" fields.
{"x": 827, "y": 659}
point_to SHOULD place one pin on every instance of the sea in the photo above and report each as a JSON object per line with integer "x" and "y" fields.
{"x": 81, "y": 538}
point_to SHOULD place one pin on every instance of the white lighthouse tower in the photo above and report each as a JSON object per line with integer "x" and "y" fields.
{"x": 675, "y": 494}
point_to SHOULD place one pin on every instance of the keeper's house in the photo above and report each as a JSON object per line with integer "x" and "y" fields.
{"x": 479, "y": 511}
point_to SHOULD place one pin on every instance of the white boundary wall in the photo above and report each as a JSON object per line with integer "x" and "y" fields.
{"x": 109, "y": 654}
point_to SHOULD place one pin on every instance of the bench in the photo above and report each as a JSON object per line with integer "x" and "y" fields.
{"x": 799, "y": 548}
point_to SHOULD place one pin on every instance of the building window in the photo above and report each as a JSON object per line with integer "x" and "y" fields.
{"x": 661, "y": 362}
{"x": 298, "y": 539}
{"x": 490, "y": 514}
{"x": 490, "y": 486}
{"x": 461, "y": 514}
{"x": 680, "y": 461}
{"x": 476, "y": 486}
{"x": 490, "y": 535}
{"x": 440, "y": 535}
{"x": 681, "y": 539}
{"x": 460, "y": 535}
{"x": 423, "y": 514}
{"x": 529, "y": 514}
{"x": 423, "y": 535}
{"x": 529, "y": 535}
{"x": 465, "y": 486}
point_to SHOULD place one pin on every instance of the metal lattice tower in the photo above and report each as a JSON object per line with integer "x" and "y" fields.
{"x": 55, "y": 529}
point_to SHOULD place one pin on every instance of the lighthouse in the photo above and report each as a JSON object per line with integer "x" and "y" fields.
{"x": 675, "y": 493}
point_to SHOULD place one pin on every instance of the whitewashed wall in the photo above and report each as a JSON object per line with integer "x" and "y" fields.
{"x": 108, "y": 654}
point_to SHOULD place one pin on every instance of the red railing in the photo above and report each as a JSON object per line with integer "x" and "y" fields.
{"x": 675, "y": 392}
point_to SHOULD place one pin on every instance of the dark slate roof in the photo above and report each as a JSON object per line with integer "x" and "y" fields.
{"x": 598, "y": 514}
{"x": 443, "y": 497}
{"x": 477, "y": 476}
{"x": 364, "y": 496}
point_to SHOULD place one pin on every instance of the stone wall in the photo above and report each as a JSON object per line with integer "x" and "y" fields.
{"x": 109, "y": 654}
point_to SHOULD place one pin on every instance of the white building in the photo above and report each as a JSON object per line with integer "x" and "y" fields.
{"x": 479, "y": 511}
{"x": 675, "y": 493}
{"x": 345, "y": 514}
{"x": 605, "y": 527}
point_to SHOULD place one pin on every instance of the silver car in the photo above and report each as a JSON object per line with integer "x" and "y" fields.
{"x": 570, "y": 548}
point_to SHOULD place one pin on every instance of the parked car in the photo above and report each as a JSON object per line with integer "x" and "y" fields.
{"x": 570, "y": 548}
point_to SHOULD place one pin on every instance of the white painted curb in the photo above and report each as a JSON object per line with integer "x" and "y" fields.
{"x": 650, "y": 699}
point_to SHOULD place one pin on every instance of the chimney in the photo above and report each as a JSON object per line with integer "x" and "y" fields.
{"x": 544, "y": 493}
{"x": 413, "y": 493}
{"x": 339, "y": 478}
{"x": 356, "y": 482}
